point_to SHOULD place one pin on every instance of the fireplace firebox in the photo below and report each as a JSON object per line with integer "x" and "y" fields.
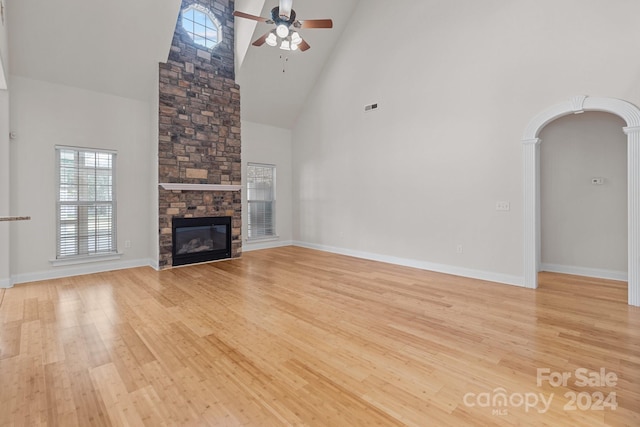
{"x": 201, "y": 239}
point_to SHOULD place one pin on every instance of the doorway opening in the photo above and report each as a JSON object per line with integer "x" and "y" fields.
{"x": 583, "y": 196}
{"x": 531, "y": 142}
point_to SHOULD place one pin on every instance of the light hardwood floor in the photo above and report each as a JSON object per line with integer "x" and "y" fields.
{"x": 292, "y": 336}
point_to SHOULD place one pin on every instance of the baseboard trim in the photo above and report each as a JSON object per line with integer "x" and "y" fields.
{"x": 59, "y": 272}
{"x": 422, "y": 265}
{"x": 585, "y": 271}
{"x": 257, "y": 245}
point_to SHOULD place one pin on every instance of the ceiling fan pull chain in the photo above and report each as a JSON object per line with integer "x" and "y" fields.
{"x": 284, "y": 62}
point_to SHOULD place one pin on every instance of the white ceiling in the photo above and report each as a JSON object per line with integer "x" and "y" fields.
{"x": 114, "y": 47}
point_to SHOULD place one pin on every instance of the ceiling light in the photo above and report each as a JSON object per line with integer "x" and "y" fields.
{"x": 285, "y": 45}
{"x": 295, "y": 38}
{"x": 272, "y": 40}
{"x": 282, "y": 31}
{"x": 294, "y": 46}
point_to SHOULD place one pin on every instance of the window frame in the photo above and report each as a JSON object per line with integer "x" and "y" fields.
{"x": 214, "y": 20}
{"x": 272, "y": 201}
{"x": 82, "y": 252}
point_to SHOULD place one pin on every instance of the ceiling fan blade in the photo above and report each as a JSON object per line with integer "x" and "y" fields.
{"x": 248, "y": 16}
{"x": 304, "y": 46}
{"x": 316, "y": 23}
{"x": 285, "y": 8}
{"x": 261, "y": 40}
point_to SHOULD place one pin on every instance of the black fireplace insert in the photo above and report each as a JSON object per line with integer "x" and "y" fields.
{"x": 201, "y": 239}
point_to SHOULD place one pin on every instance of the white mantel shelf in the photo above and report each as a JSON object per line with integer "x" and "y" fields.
{"x": 199, "y": 187}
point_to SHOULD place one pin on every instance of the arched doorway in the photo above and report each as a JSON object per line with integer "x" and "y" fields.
{"x": 531, "y": 166}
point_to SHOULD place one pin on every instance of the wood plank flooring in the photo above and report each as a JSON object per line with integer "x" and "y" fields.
{"x": 292, "y": 336}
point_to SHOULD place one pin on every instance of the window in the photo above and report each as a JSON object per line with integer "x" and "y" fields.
{"x": 202, "y": 26}
{"x": 86, "y": 207}
{"x": 261, "y": 200}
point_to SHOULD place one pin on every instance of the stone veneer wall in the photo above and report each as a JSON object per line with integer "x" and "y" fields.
{"x": 199, "y": 129}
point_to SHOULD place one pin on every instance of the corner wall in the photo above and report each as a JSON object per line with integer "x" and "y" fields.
{"x": 5, "y": 164}
{"x": 271, "y": 145}
{"x": 5, "y": 242}
{"x": 44, "y": 115}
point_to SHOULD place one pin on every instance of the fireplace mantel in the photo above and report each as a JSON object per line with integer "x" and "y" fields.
{"x": 199, "y": 187}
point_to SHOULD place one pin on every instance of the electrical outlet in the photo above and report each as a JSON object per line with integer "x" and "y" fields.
{"x": 503, "y": 206}
{"x": 459, "y": 249}
{"x": 127, "y": 244}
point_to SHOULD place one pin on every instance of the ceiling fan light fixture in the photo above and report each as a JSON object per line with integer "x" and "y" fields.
{"x": 286, "y": 23}
{"x": 295, "y": 38}
{"x": 272, "y": 40}
{"x": 285, "y": 45}
{"x": 282, "y": 31}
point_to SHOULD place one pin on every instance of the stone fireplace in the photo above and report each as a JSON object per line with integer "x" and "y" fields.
{"x": 199, "y": 133}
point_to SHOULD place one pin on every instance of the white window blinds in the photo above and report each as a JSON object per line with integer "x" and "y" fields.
{"x": 86, "y": 206}
{"x": 261, "y": 200}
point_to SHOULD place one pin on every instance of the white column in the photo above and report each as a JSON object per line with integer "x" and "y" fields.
{"x": 531, "y": 167}
{"x": 633, "y": 171}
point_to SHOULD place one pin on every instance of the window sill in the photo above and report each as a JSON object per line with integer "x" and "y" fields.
{"x": 262, "y": 239}
{"x": 85, "y": 259}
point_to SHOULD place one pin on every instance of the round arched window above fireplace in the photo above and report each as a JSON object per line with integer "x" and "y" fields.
{"x": 202, "y": 26}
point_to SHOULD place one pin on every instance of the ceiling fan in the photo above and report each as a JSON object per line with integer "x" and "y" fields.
{"x": 286, "y": 23}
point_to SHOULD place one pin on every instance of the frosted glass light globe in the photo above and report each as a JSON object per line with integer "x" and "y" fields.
{"x": 282, "y": 31}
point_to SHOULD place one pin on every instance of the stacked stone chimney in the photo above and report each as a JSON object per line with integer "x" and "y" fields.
{"x": 199, "y": 129}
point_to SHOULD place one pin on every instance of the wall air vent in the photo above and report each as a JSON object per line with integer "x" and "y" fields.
{"x": 370, "y": 107}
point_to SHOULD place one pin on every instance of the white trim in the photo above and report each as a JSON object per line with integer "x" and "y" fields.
{"x": 531, "y": 170}
{"x": 77, "y": 271}
{"x": 261, "y": 239}
{"x": 3, "y": 78}
{"x": 199, "y": 187}
{"x": 5, "y": 283}
{"x": 584, "y": 271}
{"x": 422, "y": 265}
{"x": 85, "y": 259}
{"x": 265, "y": 244}
{"x": 90, "y": 150}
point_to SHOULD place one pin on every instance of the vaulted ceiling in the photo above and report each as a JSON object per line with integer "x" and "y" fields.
{"x": 274, "y": 83}
{"x": 114, "y": 47}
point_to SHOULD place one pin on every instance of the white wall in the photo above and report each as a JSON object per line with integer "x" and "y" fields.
{"x": 5, "y": 210}
{"x": 584, "y": 226}
{"x": 456, "y": 88}
{"x": 154, "y": 220}
{"x": 44, "y": 115}
{"x": 272, "y": 145}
